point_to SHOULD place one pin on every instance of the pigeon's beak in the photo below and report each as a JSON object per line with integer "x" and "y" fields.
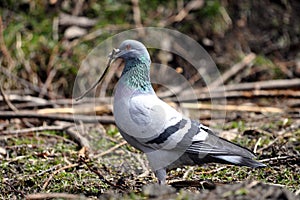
{"x": 112, "y": 55}
{"x": 117, "y": 53}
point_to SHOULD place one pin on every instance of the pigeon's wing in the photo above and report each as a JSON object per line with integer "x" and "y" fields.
{"x": 162, "y": 133}
{"x": 159, "y": 125}
{"x": 216, "y": 149}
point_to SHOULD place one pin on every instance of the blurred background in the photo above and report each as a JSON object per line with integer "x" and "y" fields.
{"x": 44, "y": 42}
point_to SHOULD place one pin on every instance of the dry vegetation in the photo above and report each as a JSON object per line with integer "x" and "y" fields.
{"x": 255, "y": 45}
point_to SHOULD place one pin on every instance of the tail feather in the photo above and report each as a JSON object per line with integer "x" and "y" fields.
{"x": 238, "y": 160}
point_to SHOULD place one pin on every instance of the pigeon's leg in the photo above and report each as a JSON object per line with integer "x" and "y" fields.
{"x": 161, "y": 175}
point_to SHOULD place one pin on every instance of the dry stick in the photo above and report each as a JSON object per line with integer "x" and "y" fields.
{"x": 35, "y": 129}
{"x": 24, "y": 82}
{"x": 241, "y": 94}
{"x": 275, "y": 158}
{"x": 221, "y": 80}
{"x": 3, "y": 48}
{"x": 242, "y": 108}
{"x": 12, "y": 107}
{"x": 106, "y": 81}
{"x": 14, "y": 133}
{"x": 269, "y": 84}
{"x": 98, "y": 81}
{"x": 256, "y": 145}
{"x": 56, "y": 172}
{"x": 68, "y": 118}
{"x": 82, "y": 141}
{"x": 232, "y": 71}
{"x": 41, "y": 196}
{"x": 268, "y": 146}
{"x": 52, "y": 72}
{"x": 78, "y": 7}
{"x": 192, "y": 5}
{"x": 17, "y": 191}
{"x": 7, "y": 101}
{"x": 256, "y": 86}
{"x": 101, "y": 177}
{"x": 110, "y": 150}
{"x": 88, "y": 109}
{"x": 137, "y": 17}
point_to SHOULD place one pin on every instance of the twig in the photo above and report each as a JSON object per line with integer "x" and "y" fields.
{"x": 12, "y": 107}
{"x": 35, "y": 129}
{"x": 269, "y": 145}
{"x": 237, "y": 94}
{"x": 5, "y": 52}
{"x": 110, "y": 150}
{"x": 242, "y": 108}
{"x": 52, "y": 72}
{"x": 82, "y": 141}
{"x": 275, "y": 158}
{"x": 48, "y": 170}
{"x": 24, "y": 82}
{"x": 188, "y": 171}
{"x": 256, "y": 87}
{"x": 55, "y": 196}
{"x": 232, "y": 71}
{"x": 21, "y": 57}
{"x": 263, "y": 85}
{"x": 7, "y": 101}
{"x": 14, "y": 189}
{"x": 107, "y": 80}
{"x": 68, "y": 118}
{"x": 137, "y": 17}
{"x": 111, "y": 57}
{"x": 71, "y": 20}
{"x": 256, "y": 145}
{"x": 56, "y": 172}
{"x": 78, "y": 7}
{"x": 214, "y": 170}
{"x": 101, "y": 177}
{"x": 192, "y": 5}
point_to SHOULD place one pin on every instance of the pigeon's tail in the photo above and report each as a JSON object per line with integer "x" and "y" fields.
{"x": 220, "y": 150}
{"x": 238, "y": 160}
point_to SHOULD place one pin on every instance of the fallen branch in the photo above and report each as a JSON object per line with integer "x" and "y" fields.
{"x": 26, "y": 83}
{"x": 3, "y": 48}
{"x": 110, "y": 150}
{"x": 12, "y": 107}
{"x": 71, "y": 20}
{"x": 233, "y": 71}
{"x": 79, "y": 139}
{"x": 242, "y": 108}
{"x": 68, "y": 129}
{"x": 54, "y": 195}
{"x": 101, "y": 177}
{"x": 56, "y": 172}
{"x": 52, "y": 117}
{"x": 238, "y": 94}
{"x": 254, "y": 87}
{"x": 275, "y": 158}
{"x": 183, "y": 13}
{"x": 34, "y": 129}
{"x": 264, "y": 85}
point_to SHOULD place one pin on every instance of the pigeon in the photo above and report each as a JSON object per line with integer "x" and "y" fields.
{"x": 168, "y": 138}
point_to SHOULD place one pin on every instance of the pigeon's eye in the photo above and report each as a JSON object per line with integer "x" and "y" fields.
{"x": 128, "y": 47}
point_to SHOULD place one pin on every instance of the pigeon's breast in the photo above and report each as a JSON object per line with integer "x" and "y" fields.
{"x": 141, "y": 115}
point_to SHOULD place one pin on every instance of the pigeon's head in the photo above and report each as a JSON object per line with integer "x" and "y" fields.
{"x": 132, "y": 49}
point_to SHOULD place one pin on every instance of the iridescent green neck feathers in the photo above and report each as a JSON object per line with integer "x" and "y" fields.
{"x": 136, "y": 74}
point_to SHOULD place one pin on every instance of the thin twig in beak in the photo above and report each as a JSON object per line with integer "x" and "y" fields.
{"x": 111, "y": 57}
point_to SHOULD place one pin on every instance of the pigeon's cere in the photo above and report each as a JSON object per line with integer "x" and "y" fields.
{"x": 169, "y": 139}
